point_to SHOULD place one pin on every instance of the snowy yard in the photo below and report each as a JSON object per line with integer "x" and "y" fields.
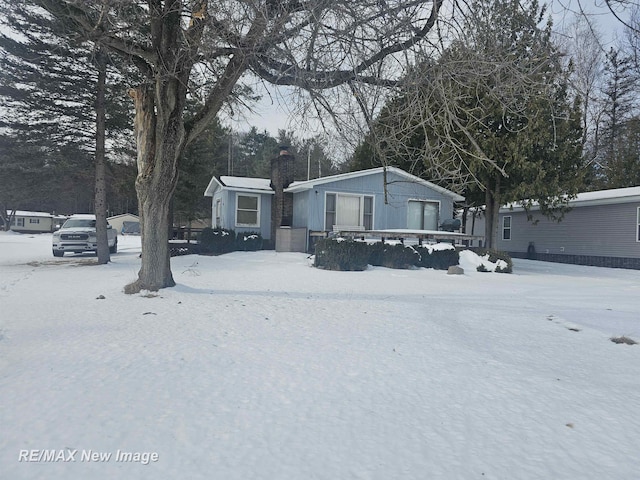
{"x": 258, "y": 366}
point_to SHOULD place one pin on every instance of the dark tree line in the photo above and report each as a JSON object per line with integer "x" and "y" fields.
{"x": 48, "y": 92}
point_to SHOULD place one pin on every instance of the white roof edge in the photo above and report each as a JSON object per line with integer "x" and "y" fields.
{"x": 221, "y": 183}
{"x": 249, "y": 190}
{"x": 26, "y": 213}
{"x": 214, "y": 184}
{"x": 585, "y": 199}
{"x": 123, "y": 215}
{"x": 309, "y": 184}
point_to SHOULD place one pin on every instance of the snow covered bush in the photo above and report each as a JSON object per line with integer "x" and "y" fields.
{"x": 503, "y": 261}
{"x": 399, "y": 256}
{"x": 217, "y": 240}
{"x": 438, "y": 259}
{"x": 249, "y": 241}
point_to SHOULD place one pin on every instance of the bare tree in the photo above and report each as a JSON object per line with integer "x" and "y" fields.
{"x": 205, "y": 49}
{"x": 490, "y": 114}
{"x": 583, "y": 46}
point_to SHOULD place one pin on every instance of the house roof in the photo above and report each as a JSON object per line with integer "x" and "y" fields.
{"x": 263, "y": 185}
{"x": 584, "y": 199}
{"x": 240, "y": 184}
{"x": 124, "y": 215}
{"x": 24, "y": 213}
{"x": 310, "y": 184}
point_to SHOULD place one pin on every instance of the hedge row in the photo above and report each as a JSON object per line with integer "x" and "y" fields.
{"x": 221, "y": 240}
{"x": 350, "y": 255}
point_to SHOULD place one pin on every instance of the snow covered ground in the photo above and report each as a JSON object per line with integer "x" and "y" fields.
{"x": 258, "y": 366}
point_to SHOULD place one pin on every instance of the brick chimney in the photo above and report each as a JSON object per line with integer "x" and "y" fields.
{"x": 282, "y": 169}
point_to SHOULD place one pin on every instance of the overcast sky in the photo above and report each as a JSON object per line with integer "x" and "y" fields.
{"x": 272, "y": 112}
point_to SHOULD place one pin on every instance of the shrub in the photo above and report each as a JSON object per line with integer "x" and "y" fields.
{"x": 338, "y": 254}
{"x": 481, "y": 268}
{"x": 438, "y": 259}
{"x": 494, "y": 256}
{"x": 248, "y": 241}
{"x": 392, "y": 256}
{"x": 347, "y": 255}
{"x": 217, "y": 240}
{"x": 624, "y": 340}
{"x": 399, "y": 256}
{"x": 376, "y": 253}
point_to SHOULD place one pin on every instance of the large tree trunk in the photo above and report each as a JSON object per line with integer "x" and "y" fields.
{"x": 101, "y": 182}
{"x": 160, "y": 139}
{"x": 492, "y": 200}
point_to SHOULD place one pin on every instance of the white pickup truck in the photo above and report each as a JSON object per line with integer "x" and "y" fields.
{"x": 78, "y": 234}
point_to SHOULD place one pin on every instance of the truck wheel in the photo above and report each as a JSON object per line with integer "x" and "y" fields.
{"x": 56, "y": 253}
{"x": 114, "y": 249}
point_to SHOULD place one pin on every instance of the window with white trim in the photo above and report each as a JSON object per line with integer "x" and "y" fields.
{"x": 348, "y": 210}
{"x": 422, "y": 215}
{"x": 34, "y": 220}
{"x": 506, "y": 227}
{"x": 18, "y": 221}
{"x": 247, "y": 210}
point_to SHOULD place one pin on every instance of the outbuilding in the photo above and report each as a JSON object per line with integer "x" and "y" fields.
{"x": 34, "y": 222}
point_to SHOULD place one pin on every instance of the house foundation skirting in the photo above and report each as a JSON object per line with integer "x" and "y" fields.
{"x": 591, "y": 260}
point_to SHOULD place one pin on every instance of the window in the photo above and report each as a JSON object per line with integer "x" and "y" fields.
{"x": 247, "y": 210}
{"x": 422, "y": 215}
{"x": 348, "y": 211}
{"x": 506, "y": 227}
{"x": 367, "y": 218}
{"x": 638, "y": 226}
{"x": 18, "y": 221}
{"x": 80, "y": 223}
{"x": 34, "y": 220}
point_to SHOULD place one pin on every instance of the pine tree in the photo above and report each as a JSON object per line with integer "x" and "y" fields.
{"x": 55, "y": 88}
{"x": 493, "y": 115}
{"x": 619, "y": 125}
{"x": 204, "y": 158}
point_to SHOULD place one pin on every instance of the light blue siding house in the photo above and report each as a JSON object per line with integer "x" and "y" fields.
{"x": 376, "y": 199}
{"x": 360, "y": 199}
{"x": 241, "y": 204}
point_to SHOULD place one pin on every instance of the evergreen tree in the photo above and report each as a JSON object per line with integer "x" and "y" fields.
{"x": 256, "y": 149}
{"x": 204, "y": 158}
{"x": 619, "y": 125}
{"x": 55, "y": 88}
{"x": 492, "y": 116}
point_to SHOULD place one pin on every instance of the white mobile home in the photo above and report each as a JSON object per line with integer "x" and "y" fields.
{"x": 35, "y": 222}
